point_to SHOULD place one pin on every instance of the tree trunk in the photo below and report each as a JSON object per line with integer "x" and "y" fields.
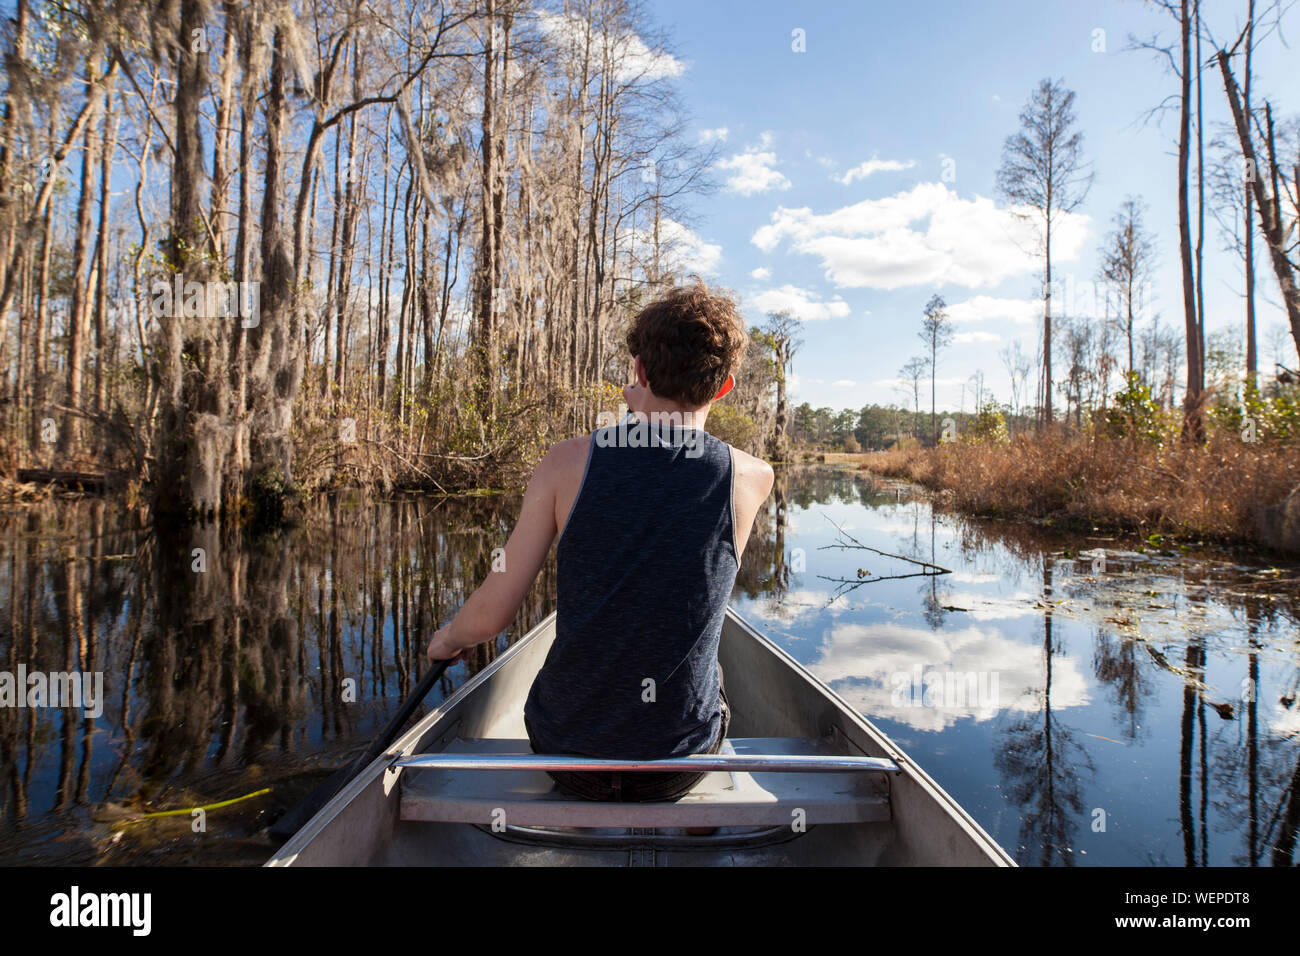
{"x": 181, "y": 459}
{"x": 1192, "y": 424}
{"x": 485, "y": 346}
{"x": 1046, "y": 414}
{"x": 1252, "y": 358}
{"x": 79, "y": 306}
{"x": 1266, "y": 203}
{"x": 275, "y": 343}
{"x": 101, "y": 250}
{"x": 40, "y": 347}
{"x": 347, "y": 236}
{"x": 776, "y": 444}
{"x": 1200, "y": 205}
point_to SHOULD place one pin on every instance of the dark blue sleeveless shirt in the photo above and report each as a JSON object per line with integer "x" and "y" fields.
{"x": 646, "y": 565}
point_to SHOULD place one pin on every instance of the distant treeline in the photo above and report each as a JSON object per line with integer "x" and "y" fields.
{"x": 875, "y": 427}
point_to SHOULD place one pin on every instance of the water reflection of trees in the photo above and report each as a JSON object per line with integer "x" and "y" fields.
{"x": 1223, "y": 750}
{"x": 238, "y": 668}
{"x": 1041, "y": 760}
{"x": 1257, "y": 775}
{"x": 1116, "y": 663}
{"x": 1235, "y": 775}
{"x": 765, "y": 573}
{"x": 242, "y": 667}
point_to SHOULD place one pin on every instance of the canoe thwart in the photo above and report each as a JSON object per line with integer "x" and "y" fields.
{"x": 518, "y": 792}
{"x": 728, "y": 763}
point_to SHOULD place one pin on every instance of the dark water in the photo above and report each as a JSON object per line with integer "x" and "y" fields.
{"x": 1123, "y": 706}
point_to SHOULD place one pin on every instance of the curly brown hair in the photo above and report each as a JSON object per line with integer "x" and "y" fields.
{"x": 689, "y": 341}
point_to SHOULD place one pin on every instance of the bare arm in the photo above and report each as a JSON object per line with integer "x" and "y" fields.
{"x": 491, "y": 608}
{"x": 754, "y": 479}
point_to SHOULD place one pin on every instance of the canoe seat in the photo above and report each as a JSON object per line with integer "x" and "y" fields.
{"x": 531, "y": 798}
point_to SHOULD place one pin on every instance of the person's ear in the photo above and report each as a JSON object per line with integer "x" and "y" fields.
{"x": 641, "y": 378}
{"x": 727, "y": 386}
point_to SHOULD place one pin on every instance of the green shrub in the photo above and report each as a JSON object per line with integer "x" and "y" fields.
{"x": 1256, "y": 417}
{"x": 988, "y": 426}
{"x": 732, "y": 426}
{"x": 1137, "y": 416}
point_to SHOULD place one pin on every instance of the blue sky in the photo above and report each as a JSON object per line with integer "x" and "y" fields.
{"x": 918, "y": 85}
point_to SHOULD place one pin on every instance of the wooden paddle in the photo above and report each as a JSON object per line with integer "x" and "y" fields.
{"x": 294, "y": 819}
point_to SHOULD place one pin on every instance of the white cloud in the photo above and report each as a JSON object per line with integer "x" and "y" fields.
{"x": 1283, "y": 723}
{"x": 800, "y": 303}
{"x": 680, "y": 249}
{"x": 983, "y": 308}
{"x": 907, "y": 384}
{"x": 796, "y": 603}
{"x": 973, "y": 338}
{"x": 926, "y": 236}
{"x": 635, "y": 62}
{"x": 718, "y": 135}
{"x": 998, "y": 608}
{"x": 875, "y": 667}
{"x": 692, "y": 253}
{"x": 844, "y": 383}
{"x": 971, "y": 577}
{"x": 761, "y": 273}
{"x": 873, "y": 165}
{"x": 754, "y": 171}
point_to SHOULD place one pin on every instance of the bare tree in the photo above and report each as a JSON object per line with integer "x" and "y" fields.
{"x": 782, "y": 327}
{"x": 1074, "y": 334}
{"x": 1018, "y": 366}
{"x": 1044, "y": 176}
{"x": 1277, "y": 349}
{"x": 1277, "y": 198}
{"x": 936, "y": 333}
{"x": 1248, "y": 253}
{"x": 1127, "y": 259}
{"x": 1184, "y": 14}
{"x": 913, "y": 371}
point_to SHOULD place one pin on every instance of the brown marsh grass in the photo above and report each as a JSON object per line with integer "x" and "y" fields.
{"x": 1228, "y": 490}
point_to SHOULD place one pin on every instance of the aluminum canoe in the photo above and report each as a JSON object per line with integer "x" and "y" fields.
{"x": 803, "y": 779}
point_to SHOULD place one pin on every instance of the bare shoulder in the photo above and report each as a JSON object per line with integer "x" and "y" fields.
{"x": 755, "y": 473}
{"x": 563, "y": 458}
{"x": 570, "y": 450}
{"x": 561, "y": 472}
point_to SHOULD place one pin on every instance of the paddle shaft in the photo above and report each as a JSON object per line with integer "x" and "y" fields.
{"x": 294, "y": 819}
